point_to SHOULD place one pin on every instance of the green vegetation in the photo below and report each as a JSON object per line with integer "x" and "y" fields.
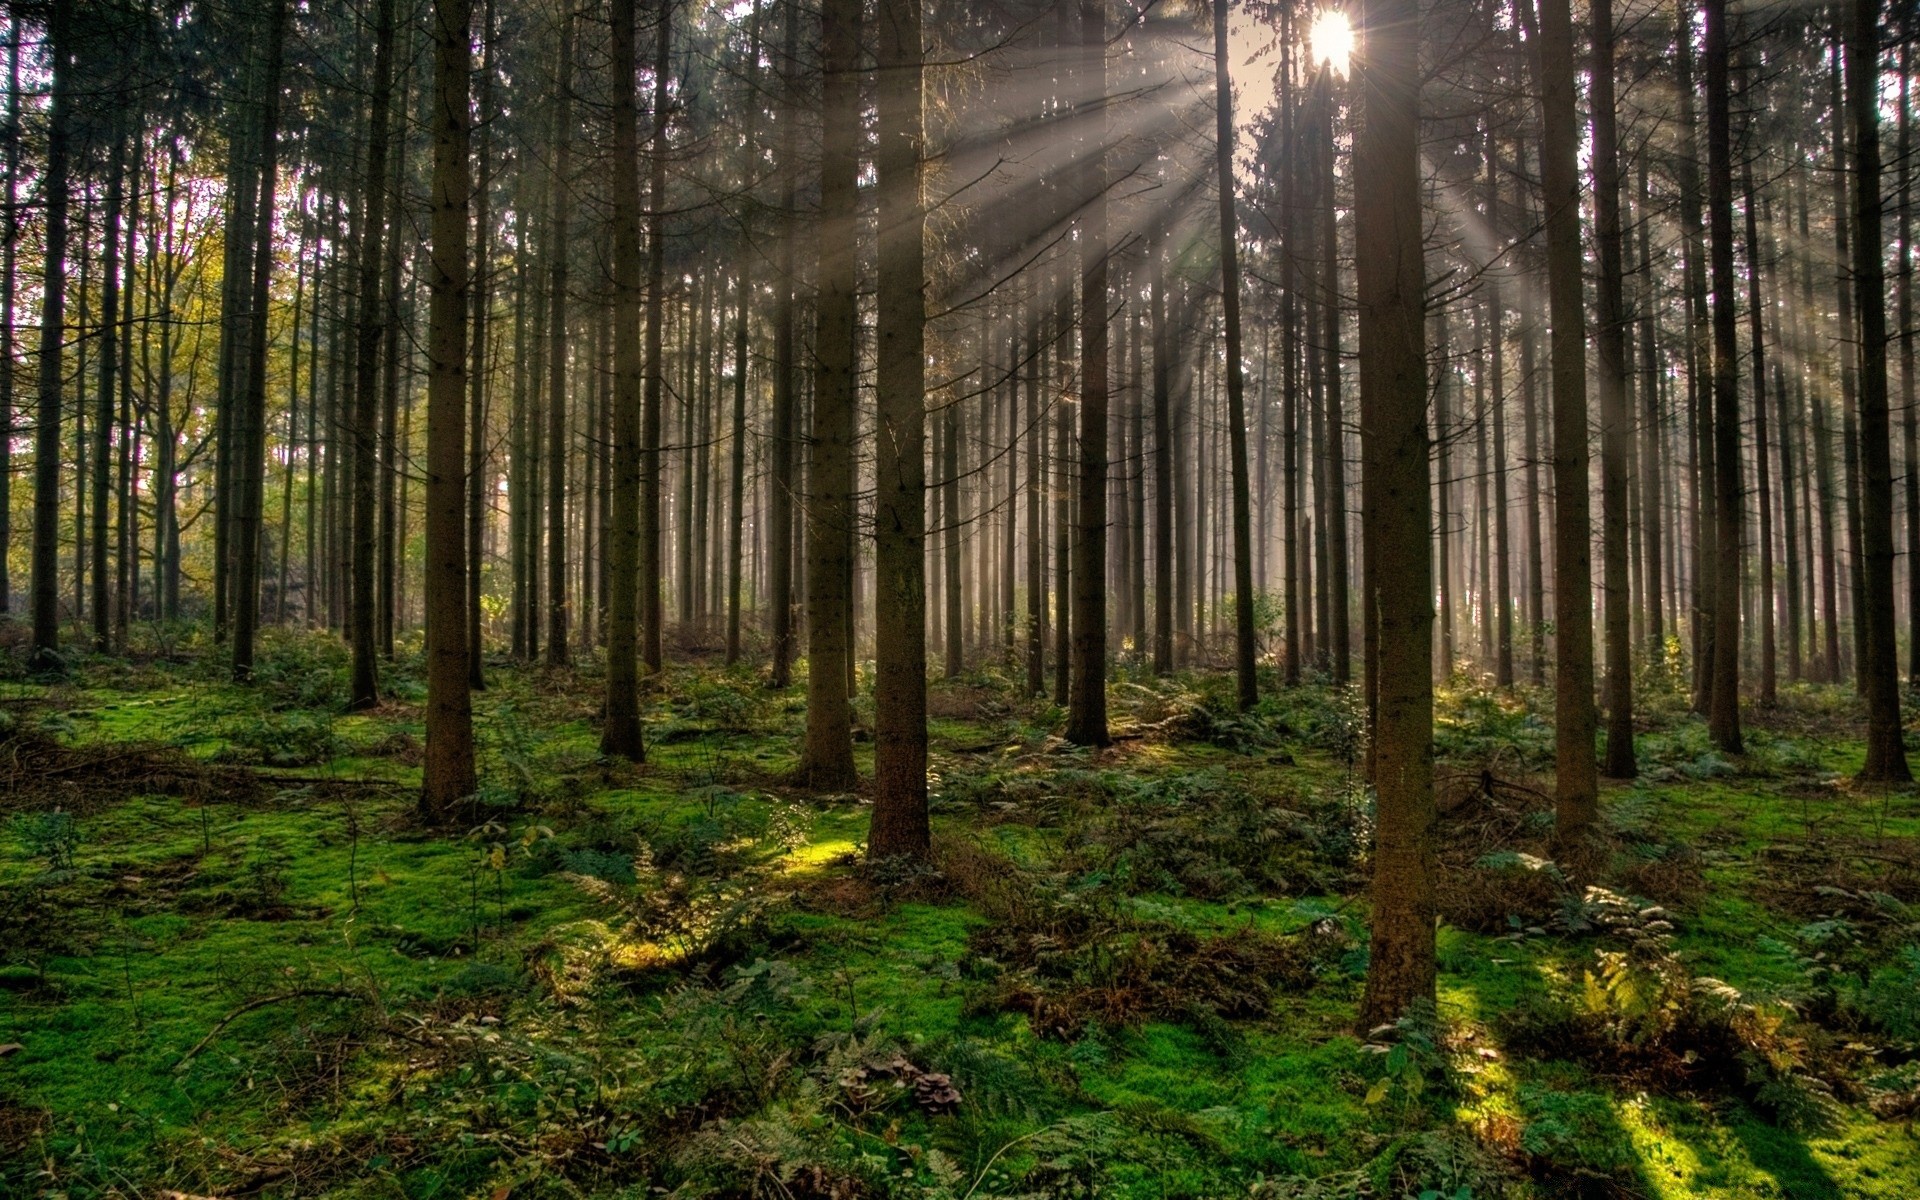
{"x": 231, "y": 964}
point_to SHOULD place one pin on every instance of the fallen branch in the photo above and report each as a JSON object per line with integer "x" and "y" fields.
{"x": 259, "y": 1002}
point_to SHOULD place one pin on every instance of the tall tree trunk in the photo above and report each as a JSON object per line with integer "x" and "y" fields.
{"x": 827, "y": 761}
{"x": 1246, "y": 685}
{"x": 1576, "y": 794}
{"x": 1723, "y": 717}
{"x": 652, "y": 616}
{"x": 9, "y": 274}
{"x": 447, "y": 776}
{"x": 1616, "y": 411}
{"x": 620, "y": 735}
{"x": 479, "y": 481}
{"x": 1886, "y": 750}
{"x": 45, "y": 582}
{"x": 99, "y": 604}
{"x": 558, "y": 645}
{"x": 1393, "y": 421}
{"x": 1756, "y": 316}
{"x": 899, "y": 826}
{"x": 785, "y": 408}
{"x": 363, "y": 686}
{"x": 251, "y": 452}
{"x": 1163, "y": 454}
{"x": 1087, "y": 697}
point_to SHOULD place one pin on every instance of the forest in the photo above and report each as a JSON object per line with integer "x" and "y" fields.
{"x": 844, "y": 599}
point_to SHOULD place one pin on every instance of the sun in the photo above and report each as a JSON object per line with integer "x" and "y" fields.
{"x": 1331, "y": 40}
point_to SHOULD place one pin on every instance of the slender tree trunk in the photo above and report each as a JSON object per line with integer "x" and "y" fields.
{"x": 559, "y": 645}
{"x": 1247, "y": 686}
{"x": 44, "y": 583}
{"x": 1723, "y": 718}
{"x": 1616, "y": 409}
{"x": 9, "y": 274}
{"x": 479, "y": 480}
{"x": 99, "y": 604}
{"x": 1163, "y": 453}
{"x": 363, "y": 687}
{"x": 447, "y": 776}
{"x": 1756, "y": 315}
{"x": 251, "y": 452}
{"x": 652, "y": 615}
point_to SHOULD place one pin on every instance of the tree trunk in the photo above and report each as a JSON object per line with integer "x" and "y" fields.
{"x": 447, "y": 776}
{"x": 1723, "y": 717}
{"x": 45, "y": 583}
{"x": 1880, "y": 671}
{"x": 363, "y": 686}
{"x": 1246, "y": 685}
{"x": 1087, "y": 697}
{"x": 1393, "y": 421}
{"x": 1576, "y": 795}
{"x": 559, "y": 646}
{"x": 827, "y": 761}
{"x": 1616, "y": 411}
{"x": 250, "y": 459}
{"x": 899, "y": 826}
{"x": 652, "y": 616}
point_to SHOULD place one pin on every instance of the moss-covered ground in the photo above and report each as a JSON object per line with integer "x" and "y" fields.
{"x": 233, "y": 963}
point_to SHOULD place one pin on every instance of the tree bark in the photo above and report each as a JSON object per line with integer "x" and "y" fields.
{"x": 1886, "y": 760}
{"x": 899, "y": 826}
{"x": 827, "y": 760}
{"x": 447, "y": 775}
{"x": 1393, "y": 418}
{"x": 1576, "y": 794}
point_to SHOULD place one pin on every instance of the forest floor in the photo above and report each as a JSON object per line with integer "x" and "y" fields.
{"x": 232, "y": 964}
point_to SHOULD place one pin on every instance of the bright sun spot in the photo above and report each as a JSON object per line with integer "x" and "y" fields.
{"x": 1332, "y": 39}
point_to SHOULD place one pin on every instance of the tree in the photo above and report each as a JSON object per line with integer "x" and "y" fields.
{"x": 827, "y": 759}
{"x": 45, "y": 581}
{"x": 1576, "y": 790}
{"x": 1723, "y": 715}
{"x": 899, "y": 825}
{"x": 1886, "y": 749}
{"x": 250, "y": 426}
{"x": 1243, "y": 659}
{"x": 447, "y": 776}
{"x": 1393, "y": 424}
{"x": 363, "y": 686}
{"x": 620, "y": 735}
{"x": 558, "y": 647}
{"x": 1616, "y": 417}
{"x": 1087, "y": 695}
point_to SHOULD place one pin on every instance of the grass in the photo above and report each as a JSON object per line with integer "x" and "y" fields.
{"x": 1138, "y": 968}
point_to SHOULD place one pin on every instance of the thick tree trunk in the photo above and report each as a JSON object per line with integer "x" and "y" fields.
{"x": 827, "y": 760}
{"x": 1393, "y": 421}
{"x": 1879, "y": 669}
{"x": 899, "y": 826}
{"x": 1087, "y": 697}
{"x": 620, "y": 734}
{"x": 447, "y": 776}
{"x": 1576, "y": 794}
